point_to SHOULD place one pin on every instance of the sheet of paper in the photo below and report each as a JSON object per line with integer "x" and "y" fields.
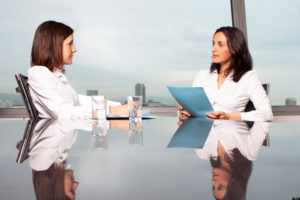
{"x": 192, "y": 133}
{"x": 193, "y": 100}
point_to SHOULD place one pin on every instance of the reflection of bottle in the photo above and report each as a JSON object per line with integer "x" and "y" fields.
{"x": 99, "y": 142}
{"x": 135, "y": 134}
{"x": 99, "y": 138}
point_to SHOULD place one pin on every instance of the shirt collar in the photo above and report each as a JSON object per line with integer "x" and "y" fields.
{"x": 60, "y": 75}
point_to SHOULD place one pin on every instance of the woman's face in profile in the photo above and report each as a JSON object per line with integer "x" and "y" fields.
{"x": 70, "y": 184}
{"x": 68, "y": 49}
{"x": 220, "y": 179}
{"x": 220, "y": 50}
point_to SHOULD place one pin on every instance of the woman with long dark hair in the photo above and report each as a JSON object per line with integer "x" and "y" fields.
{"x": 231, "y": 147}
{"x": 231, "y": 83}
{"x": 55, "y": 183}
{"x": 52, "y": 94}
{"x": 230, "y": 175}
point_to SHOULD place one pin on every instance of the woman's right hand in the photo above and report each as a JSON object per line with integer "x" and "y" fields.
{"x": 182, "y": 114}
{"x": 121, "y": 111}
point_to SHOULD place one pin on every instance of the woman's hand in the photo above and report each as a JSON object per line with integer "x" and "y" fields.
{"x": 182, "y": 114}
{"x": 217, "y": 115}
{"x": 121, "y": 111}
{"x": 223, "y": 116}
{"x": 119, "y": 124}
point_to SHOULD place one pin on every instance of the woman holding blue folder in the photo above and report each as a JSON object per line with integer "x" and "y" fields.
{"x": 230, "y": 83}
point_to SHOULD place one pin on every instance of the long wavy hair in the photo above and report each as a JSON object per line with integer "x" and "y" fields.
{"x": 240, "y": 171}
{"x": 241, "y": 60}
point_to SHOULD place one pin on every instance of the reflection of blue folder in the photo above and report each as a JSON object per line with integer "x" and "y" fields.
{"x": 193, "y": 100}
{"x": 192, "y": 133}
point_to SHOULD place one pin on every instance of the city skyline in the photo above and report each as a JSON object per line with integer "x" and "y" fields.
{"x": 140, "y": 90}
{"x": 120, "y": 44}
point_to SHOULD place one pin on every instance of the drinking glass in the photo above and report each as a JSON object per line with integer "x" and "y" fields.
{"x": 135, "y": 108}
{"x": 99, "y": 107}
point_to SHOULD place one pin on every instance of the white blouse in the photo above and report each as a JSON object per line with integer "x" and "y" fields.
{"x": 50, "y": 144}
{"x": 54, "y": 97}
{"x": 233, "y": 97}
{"x": 235, "y": 134}
{"x": 52, "y": 140}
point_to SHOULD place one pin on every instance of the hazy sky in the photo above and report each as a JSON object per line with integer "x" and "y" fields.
{"x": 158, "y": 42}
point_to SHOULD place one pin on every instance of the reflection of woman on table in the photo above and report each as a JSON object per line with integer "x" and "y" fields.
{"x": 49, "y": 148}
{"x": 231, "y": 147}
{"x": 51, "y": 92}
{"x": 50, "y": 145}
{"x": 231, "y": 83}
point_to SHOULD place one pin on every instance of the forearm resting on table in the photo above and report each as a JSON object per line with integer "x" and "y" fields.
{"x": 121, "y": 110}
{"x": 234, "y": 116}
{"x": 223, "y": 115}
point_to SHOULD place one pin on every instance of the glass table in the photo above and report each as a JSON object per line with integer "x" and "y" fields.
{"x": 138, "y": 164}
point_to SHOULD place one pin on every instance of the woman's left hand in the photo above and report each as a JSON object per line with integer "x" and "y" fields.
{"x": 217, "y": 115}
{"x": 222, "y": 115}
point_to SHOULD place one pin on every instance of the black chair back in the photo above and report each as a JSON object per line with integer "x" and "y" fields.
{"x": 24, "y": 144}
{"x": 24, "y": 89}
{"x": 250, "y": 106}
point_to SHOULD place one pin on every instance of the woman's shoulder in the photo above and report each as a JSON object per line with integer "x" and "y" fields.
{"x": 203, "y": 73}
{"x": 251, "y": 72}
{"x": 40, "y": 75}
{"x": 38, "y": 70}
{"x": 250, "y": 75}
{"x": 201, "y": 77}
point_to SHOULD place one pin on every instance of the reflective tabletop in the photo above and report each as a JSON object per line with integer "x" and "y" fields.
{"x": 154, "y": 159}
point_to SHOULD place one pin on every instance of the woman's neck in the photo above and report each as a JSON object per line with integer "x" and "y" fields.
{"x": 224, "y": 67}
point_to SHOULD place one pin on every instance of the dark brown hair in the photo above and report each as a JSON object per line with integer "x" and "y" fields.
{"x": 49, "y": 184}
{"x": 241, "y": 60}
{"x": 47, "y": 44}
{"x": 240, "y": 171}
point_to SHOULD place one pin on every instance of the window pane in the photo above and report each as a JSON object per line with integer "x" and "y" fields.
{"x": 274, "y": 41}
{"x": 119, "y": 43}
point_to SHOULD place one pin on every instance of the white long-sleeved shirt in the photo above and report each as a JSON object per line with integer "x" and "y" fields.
{"x": 233, "y": 97}
{"x": 235, "y": 134}
{"x": 52, "y": 140}
{"x": 54, "y": 97}
{"x": 50, "y": 144}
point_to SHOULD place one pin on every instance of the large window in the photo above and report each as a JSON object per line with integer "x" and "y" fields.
{"x": 274, "y": 41}
{"x": 119, "y": 43}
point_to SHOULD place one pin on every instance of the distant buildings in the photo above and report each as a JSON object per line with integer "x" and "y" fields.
{"x": 290, "y": 101}
{"x": 152, "y": 103}
{"x": 92, "y": 92}
{"x": 140, "y": 90}
{"x": 6, "y": 104}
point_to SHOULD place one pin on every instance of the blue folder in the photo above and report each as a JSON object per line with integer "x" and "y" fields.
{"x": 193, "y": 100}
{"x": 192, "y": 133}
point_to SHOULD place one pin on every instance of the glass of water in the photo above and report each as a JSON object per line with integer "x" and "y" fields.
{"x": 99, "y": 104}
{"x": 135, "y": 108}
{"x": 135, "y": 134}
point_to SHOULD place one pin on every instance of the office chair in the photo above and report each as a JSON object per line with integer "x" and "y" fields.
{"x": 24, "y": 144}
{"x": 24, "y": 90}
{"x": 250, "y": 106}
